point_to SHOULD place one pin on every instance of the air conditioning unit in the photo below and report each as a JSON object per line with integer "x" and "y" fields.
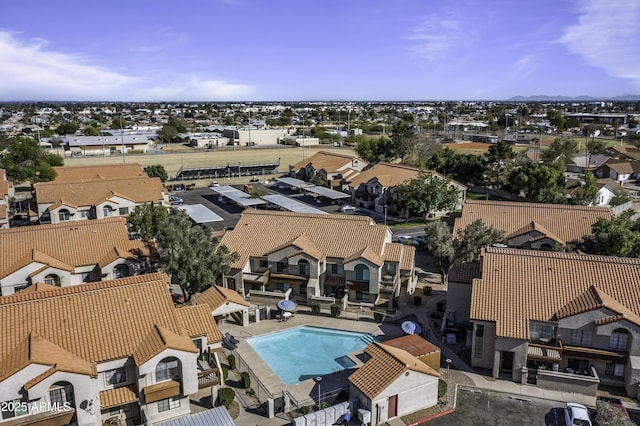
{"x": 364, "y": 416}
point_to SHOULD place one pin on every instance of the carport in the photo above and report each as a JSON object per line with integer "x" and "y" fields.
{"x": 239, "y": 197}
{"x": 200, "y": 214}
{"x": 291, "y": 205}
{"x": 295, "y": 183}
{"x": 328, "y": 193}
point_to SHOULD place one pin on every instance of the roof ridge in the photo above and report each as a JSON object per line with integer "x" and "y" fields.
{"x": 561, "y": 255}
{"x": 536, "y": 205}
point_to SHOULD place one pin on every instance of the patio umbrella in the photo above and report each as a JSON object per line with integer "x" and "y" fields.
{"x": 411, "y": 327}
{"x": 286, "y": 305}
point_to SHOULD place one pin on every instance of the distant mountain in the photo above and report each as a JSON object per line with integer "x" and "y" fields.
{"x": 547, "y": 98}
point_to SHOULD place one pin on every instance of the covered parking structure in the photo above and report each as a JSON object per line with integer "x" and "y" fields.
{"x": 200, "y": 214}
{"x": 295, "y": 183}
{"x": 327, "y": 193}
{"x": 292, "y": 205}
{"x": 239, "y": 197}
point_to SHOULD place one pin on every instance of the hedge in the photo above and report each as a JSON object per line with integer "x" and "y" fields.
{"x": 225, "y": 397}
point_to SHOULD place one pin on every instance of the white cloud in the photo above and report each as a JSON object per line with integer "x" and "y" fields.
{"x": 434, "y": 36}
{"x": 525, "y": 66}
{"x": 607, "y": 36}
{"x": 31, "y": 70}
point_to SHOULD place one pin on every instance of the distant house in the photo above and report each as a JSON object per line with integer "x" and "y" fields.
{"x": 606, "y": 190}
{"x": 620, "y": 171}
{"x": 104, "y": 145}
{"x": 563, "y": 321}
{"x": 373, "y": 187}
{"x": 393, "y": 383}
{"x": 532, "y": 225}
{"x": 582, "y": 163}
{"x": 114, "y": 350}
{"x": 63, "y": 255}
{"x": 94, "y": 193}
{"x": 337, "y": 170}
{"x": 6, "y": 193}
{"x": 317, "y": 256}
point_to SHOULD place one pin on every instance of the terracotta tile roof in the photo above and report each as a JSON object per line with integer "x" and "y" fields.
{"x": 38, "y": 287}
{"x": 413, "y": 344}
{"x": 567, "y": 222}
{"x": 534, "y": 226}
{"x": 594, "y": 298}
{"x": 331, "y": 162}
{"x": 393, "y": 252}
{"x": 196, "y": 320}
{"x": 365, "y": 253}
{"x": 216, "y": 296}
{"x": 64, "y": 245}
{"x": 466, "y": 273}
{"x": 390, "y": 175}
{"x": 71, "y": 174}
{"x": 304, "y": 243}
{"x": 522, "y": 285}
{"x": 159, "y": 339}
{"x": 141, "y": 189}
{"x": 3, "y": 212}
{"x": 118, "y": 396}
{"x": 408, "y": 258}
{"x": 99, "y": 321}
{"x": 385, "y": 366}
{"x": 259, "y": 232}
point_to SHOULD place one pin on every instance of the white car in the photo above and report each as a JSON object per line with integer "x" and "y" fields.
{"x": 576, "y": 415}
{"x": 175, "y": 201}
{"x": 214, "y": 184}
{"x": 347, "y": 208}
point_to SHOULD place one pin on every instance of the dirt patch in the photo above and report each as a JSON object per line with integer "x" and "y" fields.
{"x": 468, "y": 145}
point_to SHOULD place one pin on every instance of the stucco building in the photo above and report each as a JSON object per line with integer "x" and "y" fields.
{"x": 334, "y": 169}
{"x": 6, "y": 193}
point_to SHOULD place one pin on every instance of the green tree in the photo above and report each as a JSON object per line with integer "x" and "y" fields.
{"x": 539, "y": 182}
{"x": 587, "y": 194}
{"x": 425, "y": 194}
{"x": 192, "y": 254}
{"x": 556, "y": 119}
{"x": 167, "y": 133}
{"x": 620, "y": 197}
{"x": 25, "y": 161}
{"x": 147, "y": 220}
{"x": 440, "y": 244}
{"x": 91, "y": 130}
{"x": 468, "y": 169}
{"x": 618, "y": 236}
{"x": 157, "y": 170}
{"x": 560, "y": 152}
{"x": 376, "y": 150}
{"x": 402, "y": 136}
{"x": 500, "y": 158}
{"x": 610, "y": 416}
{"x": 67, "y": 129}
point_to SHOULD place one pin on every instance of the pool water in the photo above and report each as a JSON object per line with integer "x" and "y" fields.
{"x": 306, "y": 352}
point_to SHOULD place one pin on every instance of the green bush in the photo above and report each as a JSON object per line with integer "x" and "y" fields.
{"x": 336, "y": 310}
{"x": 442, "y": 388}
{"x": 225, "y": 397}
{"x": 315, "y": 308}
{"x": 417, "y": 300}
{"x": 379, "y": 316}
{"x": 246, "y": 380}
{"x": 305, "y": 409}
{"x": 232, "y": 362}
{"x": 225, "y": 373}
{"x": 135, "y": 151}
{"x": 426, "y": 291}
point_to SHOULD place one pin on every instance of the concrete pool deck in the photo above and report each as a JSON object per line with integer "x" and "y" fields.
{"x": 305, "y": 392}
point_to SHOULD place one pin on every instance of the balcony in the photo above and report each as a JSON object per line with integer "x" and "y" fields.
{"x": 44, "y": 418}
{"x": 256, "y": 277}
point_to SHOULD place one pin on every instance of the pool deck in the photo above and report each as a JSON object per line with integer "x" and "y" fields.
{"x": 306, "y": 391}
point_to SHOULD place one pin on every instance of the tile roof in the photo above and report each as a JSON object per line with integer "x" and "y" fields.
{"x": 390, "y": 175}
{"x": 304, "y": 243}
{"x": 140, "y": 189}
{"x": 534, "y": 226}
{"x": 623, "y": 166}
{"x": 216, "y": 296}
{"x": 522, "y": 285}
{"x": 196, "y": 321}
{"x": 99, "y": 321}
{"x": 566, "y": 222}
{"x": 159, "y": 339}
{"x": 367, "y": 254}
{"x": 118, "y": 396}
{"x": 387, "y": 364}
{"x": 594, "y": 298}
{"x": 259, "y": 232}
{"x": 393, "y": 252}
{"x": 465, "y": 273}
{"x": 331, "y": 162}
{"x": 64, "y": 245}
{"x": 413, "y": 344}
{"x": 76, "y": 174}
{"x": 408, "y": 258}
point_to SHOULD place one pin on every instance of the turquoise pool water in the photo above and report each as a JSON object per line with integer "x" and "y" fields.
{"x": 306, "y": 352}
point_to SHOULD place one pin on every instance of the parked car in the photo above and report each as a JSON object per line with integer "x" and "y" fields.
{"x": 175, "y": 201}
{"x": 406, "y": 240}
{"x": 576, "y": 415}
{"x": 214, "y": 184}
{"x": 347, "y": 208}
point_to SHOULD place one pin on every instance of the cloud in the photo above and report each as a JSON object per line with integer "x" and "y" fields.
{"x": 525, "y": 66}
{"x": 31, "y": 70}
{"x": 434, "y": 36}
{"x": 606, "y": 36}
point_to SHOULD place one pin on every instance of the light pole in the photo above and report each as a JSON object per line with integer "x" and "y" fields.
{"x": 385, "y": 215}
{"x": 448, "y": 361}
{"x": 318, "y": 380}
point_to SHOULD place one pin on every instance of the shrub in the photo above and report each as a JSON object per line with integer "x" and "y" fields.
{"x": 417, "y": 300}
{"x": 336, "y": 310}
{"x": 440, "y": 306}
{"x": 225, "y": 397}
{"x": 442, "y": 388}
{"x": 225, "y": 373}
{"x": 305, "y": 409}
{"x": 379, "y": 316}
{"x": 246, "y": 380}
{"x": 426, "y": 290}
{"x": 315, "y": 308}
{"x": 232, "y": 362}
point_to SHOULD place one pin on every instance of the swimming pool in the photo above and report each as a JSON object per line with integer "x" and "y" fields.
{"x": 306, "y": 352}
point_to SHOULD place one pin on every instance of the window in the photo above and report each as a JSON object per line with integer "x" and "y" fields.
{"x": 614, "y": 370}
{"x": 52, "y": 279}
{"x": 281, "y": 267}
{"x": 107, "y": 211}
{"x": 168, "y": 404}
{"x": 20, "y": 286}
{"x": 478, "y": 349}
{"x": 337, "y": 269}
{"x": 541, "y": 331}
{"x": 61, "y": 395}
{"x": 198, "y": 344}
{"x": 123, "y": 211}
{"x": 64, "y": 215}
{"x": 15, "y": 408}
{"x": 581, "y": 337}
{"x": 619, "y": 339}
{"x": 264, "y": 264}
{"x": 86, "y": 277}
{"x": 115, "y": 376}
{"x": 85, "y": 214}
{"x": 166, "y": 369}
{"x": 362, "y": 272}
{"x": 121, "y": 271}
{"x": 303, "y": 266}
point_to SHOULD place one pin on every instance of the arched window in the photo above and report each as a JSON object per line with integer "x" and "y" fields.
{"x": 619, "y": 340}
{"x": 61, "y": 394}
{"x": 546, "y": 247}
{"x": 303, "y": 265}
{"x": 121, "y": 271}
{"x": 168, "y": 368}
{"x": 107, "y": 211}
{"x": 52, "y": 279}
{"x": 362, "y": 272}
{"x": 64, "y": 215}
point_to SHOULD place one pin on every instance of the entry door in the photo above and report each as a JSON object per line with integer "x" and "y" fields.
{"x": 507, "y": 361}
{"x": 393, "y": 406}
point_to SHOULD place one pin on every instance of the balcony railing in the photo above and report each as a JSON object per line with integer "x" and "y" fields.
{"x": 207, "y": 379}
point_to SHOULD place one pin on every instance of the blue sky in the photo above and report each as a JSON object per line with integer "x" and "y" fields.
{"x": 270, "y": 50}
